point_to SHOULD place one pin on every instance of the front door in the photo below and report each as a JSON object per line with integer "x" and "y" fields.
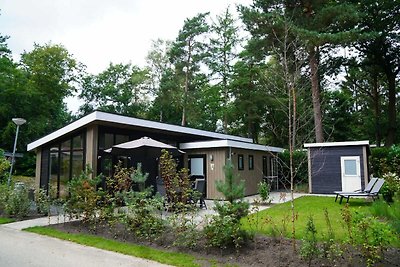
{"x": 351, "y": 175}
{"x": 198, "y": 167}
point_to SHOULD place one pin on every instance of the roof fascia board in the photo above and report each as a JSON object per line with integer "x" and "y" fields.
{"x": 164, "y": 126}
{"x": 108, "y": 117}
{"x": 229, "y": 143}
{"x": 62, "y": 131}
{"x": 332, "y": 144}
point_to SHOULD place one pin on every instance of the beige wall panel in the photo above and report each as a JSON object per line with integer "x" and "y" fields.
{"x": 251, "y": 177}
{"x": 214, "y": 169}
{"x": 91, "y": 147}
{"x": 215, "y": 172}
{"x": 37, "y": 172}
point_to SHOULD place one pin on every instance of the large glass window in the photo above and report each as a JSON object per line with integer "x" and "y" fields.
{"x": 54, "y": 171}
{"x": 66, "y": 161}
{"x": 119, "y": 139}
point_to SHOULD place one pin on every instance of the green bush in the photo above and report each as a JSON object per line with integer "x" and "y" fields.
{"x": 18, "y": 202}
{"x": 184, "y": 229}
{"x": 264, "y": 190}
{"x": 309, "y": 248}
{"x": 300, "y": 164}
{"x": 83, "y": 197}
{"x": 4, "y": 166}
{"x": 4, "y": 195}
{"x": 224, "y": 229}
{"x": 43, "y": 201}
{"x": 390, "y": 187}
{"x": 389, "y": 212}
{"x": 224, "y": 232}
{"x": 142, "y": 217}
{"x": 372, "y": 236}
{"x": 384, "y": 160}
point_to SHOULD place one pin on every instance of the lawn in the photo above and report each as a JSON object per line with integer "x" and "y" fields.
{"x": 6, "y": 220}
{"x": 171, "y": 258}
{"x": 279, "y": 215}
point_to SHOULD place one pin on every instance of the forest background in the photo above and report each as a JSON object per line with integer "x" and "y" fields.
{"x": 235, "y": 73}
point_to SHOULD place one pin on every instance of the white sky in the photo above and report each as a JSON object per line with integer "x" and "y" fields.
{"x": 98, "y": 32}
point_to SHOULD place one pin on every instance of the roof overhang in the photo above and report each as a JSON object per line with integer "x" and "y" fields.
{"x": 229, "y": 143}
{"x": 99, "y": 116}
{"x": 333, "y": 144}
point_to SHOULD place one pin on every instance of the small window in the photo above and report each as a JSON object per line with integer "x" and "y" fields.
{"x": 251, "y": 162}
{"x": 240, "y": 162}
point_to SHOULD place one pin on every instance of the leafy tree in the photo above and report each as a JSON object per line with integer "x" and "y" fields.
{"x": 35, "y": 90}
{"x": 249, "y": 95}
{"x": 222, "y": 54}
{"x": 317, "y": 23}
{"x": 187, "y": 52}
{"x": 381, "y": 21}
{"x": 158, "y": 62}
{"x": 121, "y": 88}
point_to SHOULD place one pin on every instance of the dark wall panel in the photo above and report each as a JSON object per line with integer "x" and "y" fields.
{"x": 326, "y": 169}
{"x": 44, "y": 168}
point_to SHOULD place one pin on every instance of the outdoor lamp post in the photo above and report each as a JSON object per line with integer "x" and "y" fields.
{"x": 18, "y": 122}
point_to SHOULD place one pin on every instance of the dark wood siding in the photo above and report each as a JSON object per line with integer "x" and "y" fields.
{"x": 326, "y": 169}
{"x": 44, "y": 168}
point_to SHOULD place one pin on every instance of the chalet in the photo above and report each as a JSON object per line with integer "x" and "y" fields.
{"x": 64, "y": 153}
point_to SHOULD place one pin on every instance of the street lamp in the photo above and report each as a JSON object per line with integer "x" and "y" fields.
{"x": 18, "y": 122}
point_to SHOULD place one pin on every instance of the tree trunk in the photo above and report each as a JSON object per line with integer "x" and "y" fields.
{"x": 316, "y": 97}
{"x": 391, "y": 133}
{"x": 377, "y": 111}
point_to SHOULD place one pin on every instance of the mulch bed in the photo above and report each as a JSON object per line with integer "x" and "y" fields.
{"x": 263, "y": 251}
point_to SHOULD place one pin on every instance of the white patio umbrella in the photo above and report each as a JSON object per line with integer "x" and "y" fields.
{"x": 145, "y": 146}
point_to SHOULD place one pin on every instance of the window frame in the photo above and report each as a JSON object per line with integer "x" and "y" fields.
{"x": 240, "y": 162}
{"x": 251, "y": 162}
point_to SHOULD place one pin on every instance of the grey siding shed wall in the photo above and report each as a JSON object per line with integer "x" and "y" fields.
{"x": 326, "y": 170}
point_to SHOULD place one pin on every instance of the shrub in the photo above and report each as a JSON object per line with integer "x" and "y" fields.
{"x": 43, "y": 201}
{"x": 184, "y": 227}
{"x": 142, "y": 217}
{"x": 177, "y": 183}
{"x": 391, "y": 186}
{"x": 18, "y": 202}
{"x": 223, "y": 230}
{"x": 4, "y": 166}
{"x": 264, "y": 190}
{"x": 384, "y": 160}
{"x": 84, "y": 198}
{"x": 309, "y": 249}
{"x": 4, "y": 195}
{"x": 390, "y": 212}
{"x": 300, "y": 163}
{"x": 372, "y": 236}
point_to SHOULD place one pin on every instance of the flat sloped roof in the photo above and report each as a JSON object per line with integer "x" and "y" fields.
{"x": 229, "y": 143}
{"x": 99, "y": 116}
{"x": 332, "y": 144}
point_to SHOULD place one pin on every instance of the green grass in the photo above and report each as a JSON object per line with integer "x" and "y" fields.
{"x": 171, "y": 258}
{"x": 6, "y": 220}
{"x": 305, "y": 206}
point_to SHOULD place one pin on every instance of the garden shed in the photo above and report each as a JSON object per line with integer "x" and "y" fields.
{"x": 337, "y": 166}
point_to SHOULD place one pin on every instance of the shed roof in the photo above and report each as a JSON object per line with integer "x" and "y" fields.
{"x": 99, "y": 116}
{"x": 334, "y": 144}
{"x": 229, "y": 143}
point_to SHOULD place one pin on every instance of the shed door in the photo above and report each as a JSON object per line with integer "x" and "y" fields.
{"x": 351, "y": 175}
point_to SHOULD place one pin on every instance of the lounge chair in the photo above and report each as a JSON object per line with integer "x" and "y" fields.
{"x": 367, "y": 189}
{"x": 373, "y": 193}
